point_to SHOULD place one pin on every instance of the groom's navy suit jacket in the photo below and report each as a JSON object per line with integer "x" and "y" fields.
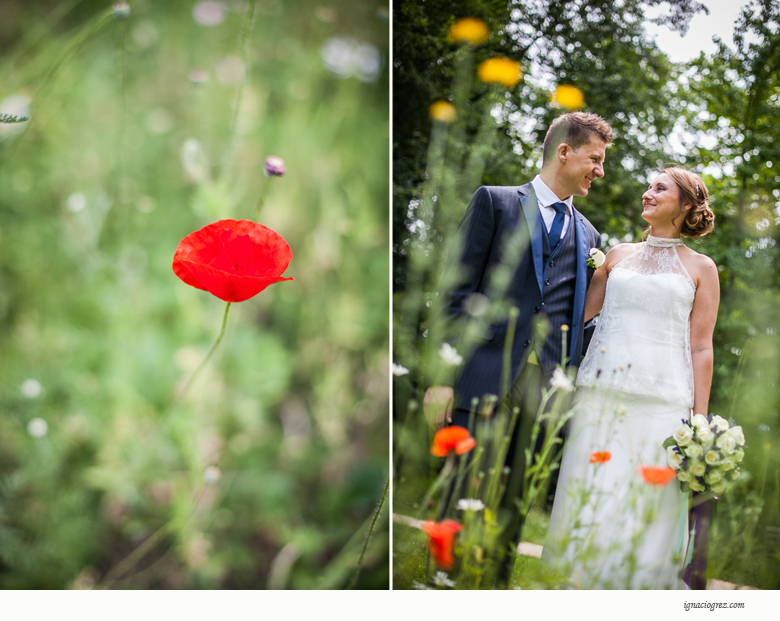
{"x": 495, "y": 215}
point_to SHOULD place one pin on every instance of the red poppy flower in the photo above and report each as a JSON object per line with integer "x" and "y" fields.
{"x": 600, "y": 457}
{"x": 232, "y": 259}
{"x": 452, "y": 438}
{"x": 442, "y": 540}
{"x": 657, "y": 476}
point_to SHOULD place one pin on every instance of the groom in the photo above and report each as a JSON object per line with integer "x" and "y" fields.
{"x": 548, "y": 283}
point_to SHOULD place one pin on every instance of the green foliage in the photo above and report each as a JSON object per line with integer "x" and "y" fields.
{"x": 96, "y": 191}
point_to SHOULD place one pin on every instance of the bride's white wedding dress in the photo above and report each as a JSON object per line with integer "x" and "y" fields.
{"x": 610, "y": 528}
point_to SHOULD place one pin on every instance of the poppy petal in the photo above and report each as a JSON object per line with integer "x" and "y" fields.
{"x": 229, "y": 287}
{"x": 232, "y": 259}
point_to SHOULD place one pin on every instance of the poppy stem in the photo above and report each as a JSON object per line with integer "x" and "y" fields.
{"x": 201, "y": 366}
{"x": 261, "y": 199}
{"x": 358, "y": 566}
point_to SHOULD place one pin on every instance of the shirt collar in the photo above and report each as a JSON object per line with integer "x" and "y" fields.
{"x": 546, "y": 196}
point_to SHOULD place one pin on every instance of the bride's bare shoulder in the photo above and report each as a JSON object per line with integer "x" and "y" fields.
{"x": 701, "y": 267}
{"x": 618, "y": 252}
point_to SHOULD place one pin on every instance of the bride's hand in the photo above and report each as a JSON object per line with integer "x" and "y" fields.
{"x": 437, "y": 405}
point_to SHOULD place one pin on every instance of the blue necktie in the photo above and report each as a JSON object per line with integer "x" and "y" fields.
{"x": 557, "y": 226}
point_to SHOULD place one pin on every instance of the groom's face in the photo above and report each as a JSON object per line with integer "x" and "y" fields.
{"x": 583, "y": 165}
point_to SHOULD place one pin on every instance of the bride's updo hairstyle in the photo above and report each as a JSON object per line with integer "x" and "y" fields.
{"x": 699, "y": 219}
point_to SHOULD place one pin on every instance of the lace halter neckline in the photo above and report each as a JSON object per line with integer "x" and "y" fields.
{"x": 663, "y": 242}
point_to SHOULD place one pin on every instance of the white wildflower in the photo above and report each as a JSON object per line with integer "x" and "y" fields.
{"x": 440, "y": 579}
{"x": 561, "y": 380}
{"x": 208, "y": 13}
{"x": 212, "y": 474}
{"x": 37, "y": 427}
{"x": 399, "y": 371}
{"x": 420, "y": 587}
{"x": 470, "y": 504}
{"x": 31, "y": 388}
{"x": 450, "y": 355}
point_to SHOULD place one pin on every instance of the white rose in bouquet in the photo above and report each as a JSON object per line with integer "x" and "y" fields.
{"x": 712, "y": 458}
{"x": 727, "y": 464}
{"x": 674, "y": 457}
{"x": 713, "y": 477}
{"x": 699, "y": 420}
{"x": 696, "y": 486}
{"x": 684, "y": 475}
{"x": 719, "y": 487}
{"x": 720, "y": 423}
{"x": 726, "y": 443}
{"x": 698, "y": 469}
{"x": 683, "y": 435}
{"x": 736, "y": 433}
{"x": 694, "y": 450}
{"x": 705, "y": 435}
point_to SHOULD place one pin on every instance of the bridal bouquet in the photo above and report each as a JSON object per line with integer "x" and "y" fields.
{"x": 706, "y": 453}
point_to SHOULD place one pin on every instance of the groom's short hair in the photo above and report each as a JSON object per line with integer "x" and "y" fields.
{"x": 575, "y": 129}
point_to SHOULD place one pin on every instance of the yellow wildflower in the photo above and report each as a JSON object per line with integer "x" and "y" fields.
{"x": 503, "y": 70}
{"x": 442, "y": 111}
{"x": 569, "y": 96}
{"x": 469, "y": 29}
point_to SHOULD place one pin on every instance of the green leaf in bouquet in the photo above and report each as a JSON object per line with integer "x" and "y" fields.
{"x": 669, "y": 442}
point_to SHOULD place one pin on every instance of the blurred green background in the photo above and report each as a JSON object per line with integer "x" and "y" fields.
{"x": 126, "y": 152}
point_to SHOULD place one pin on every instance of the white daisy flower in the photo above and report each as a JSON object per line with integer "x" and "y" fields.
{"x": 440, "y": 579}
{"x": 561, "y": 380}
{"x": 450, "y": 355}
{"x": 398, "y": 370}
{"x": 470, "y": 504}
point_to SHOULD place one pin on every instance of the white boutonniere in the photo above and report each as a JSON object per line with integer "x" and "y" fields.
{"x": 595, "y": 258}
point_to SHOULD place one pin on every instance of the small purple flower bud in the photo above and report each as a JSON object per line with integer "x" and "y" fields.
{"x": 121, "y": 10}
{"x": 274, "y": 166}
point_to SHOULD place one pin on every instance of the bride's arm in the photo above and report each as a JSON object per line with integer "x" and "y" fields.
{"x": 594, "y": 298}
{"x": 703, "y": 317}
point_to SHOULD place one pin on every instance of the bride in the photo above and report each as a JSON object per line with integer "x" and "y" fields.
{"x": 614, "y": 524}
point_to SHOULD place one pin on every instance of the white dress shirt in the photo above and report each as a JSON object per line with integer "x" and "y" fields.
{"x": 546, "y": 197}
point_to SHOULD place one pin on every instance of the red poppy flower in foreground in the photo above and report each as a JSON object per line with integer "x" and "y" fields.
{"x": 232, "y": 259}
{"x": 600, "y": 458}
{"x": 452, "y": 438}
{"x": 657, "y": 476}
{"x": 442, "y": 540}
